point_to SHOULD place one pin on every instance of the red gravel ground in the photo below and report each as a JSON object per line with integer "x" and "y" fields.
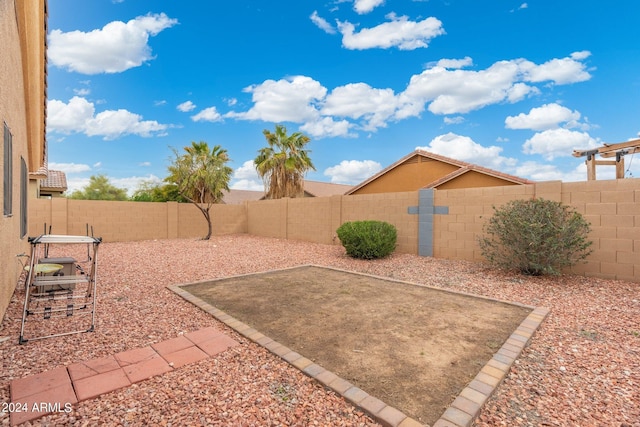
{"x": 581, "y": 369}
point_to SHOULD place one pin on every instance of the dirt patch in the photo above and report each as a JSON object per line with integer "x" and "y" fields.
{"x": 413, "y": 347}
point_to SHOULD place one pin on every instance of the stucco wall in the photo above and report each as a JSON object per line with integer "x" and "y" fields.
{"x": 12, "y": 112}
{"x": 419, "y": 171}
{"x": 409, "y": 176}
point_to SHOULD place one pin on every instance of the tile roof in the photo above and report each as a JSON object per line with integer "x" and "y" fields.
{"x": 55, "y": 180}
{"x": 480, "y": 169}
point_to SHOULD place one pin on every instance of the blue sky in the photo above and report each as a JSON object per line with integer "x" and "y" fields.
{"x": 510, "y": 85}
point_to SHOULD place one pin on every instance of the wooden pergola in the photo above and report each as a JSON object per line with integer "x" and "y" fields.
{"x": 618, "y": 151}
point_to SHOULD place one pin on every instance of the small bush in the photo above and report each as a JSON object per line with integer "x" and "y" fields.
{"x": 368, "y": 239}
{"x": 535, "y": 237}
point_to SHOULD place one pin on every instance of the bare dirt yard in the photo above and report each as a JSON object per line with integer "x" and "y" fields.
{"x": 413, "y": 347}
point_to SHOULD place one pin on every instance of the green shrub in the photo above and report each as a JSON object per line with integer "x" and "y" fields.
{"x": 368, "y": 239}
{"x": 535, "y": 237}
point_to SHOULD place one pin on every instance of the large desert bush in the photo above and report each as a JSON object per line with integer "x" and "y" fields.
{"x": 535, "y": 237}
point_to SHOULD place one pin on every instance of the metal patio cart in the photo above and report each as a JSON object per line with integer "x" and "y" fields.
{"x": 57, "y": 292}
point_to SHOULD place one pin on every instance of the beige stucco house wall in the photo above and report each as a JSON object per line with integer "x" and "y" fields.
{"x": 23, "y": 29}
{"x": 422, "y": 169}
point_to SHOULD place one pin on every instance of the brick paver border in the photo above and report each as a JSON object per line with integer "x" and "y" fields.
{"x": 38, "y": 395}
{"x": 462, "y": 411}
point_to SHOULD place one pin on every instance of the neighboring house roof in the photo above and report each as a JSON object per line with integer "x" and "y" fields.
{"x": 55, "y": 181}
{"x": 322, "y": 189}
{"x": 483, "y": 170}
{"x": 462, "y": 169}
{"x": 237, "y": 197}
{"x": 311, "y": 189}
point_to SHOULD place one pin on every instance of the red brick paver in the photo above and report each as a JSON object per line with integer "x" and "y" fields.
{"x": 38, "y": 395}
{"x": 58, "y": 389}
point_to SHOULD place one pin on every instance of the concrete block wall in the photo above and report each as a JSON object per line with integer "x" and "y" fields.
{"x": 313, "y": 219}
{"x": 455, "y": 234}
{"x": 229, "y": 219}
{"x": 190, "y": 222}
{"x": 116, "y": 221}
{"x": 455, "y": 219}
{"x": 225, "y": 219}
{"x": 268, "y": 218}
{"x": 130, "y": 221}
{"x": 393, "y": 208}
{"x": 612, "y": 207}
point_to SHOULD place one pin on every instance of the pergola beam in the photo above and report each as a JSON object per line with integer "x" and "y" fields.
{"x": 621, "y": 152}
{"x": 608, "y": 150}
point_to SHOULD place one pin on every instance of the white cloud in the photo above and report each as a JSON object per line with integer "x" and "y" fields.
{"x": 246, "y": 171}
{"x": 112, "y": 124}
{"x": 186, "y": 106}
{"x": 366, "y": 6}
{"x": 116, "y": 47}
{"x": 399, "y": 32}
{"x": 246, "y": 178}
{"x": 132, "y": 183}
{"x": 466, "y": 149}
{"x": 68, "y": 118}
{"x": 246, "y": 184}
{"x": 520, "y": 91}
{"x": 327, "y": 128}
{"x": 78, "y": 117}
{"x": 144, "y": 164}
{"x": 444, "y": 88}
{"x": 458, "y": 91}
{"x": 554, "y": 143}
{"x": 287, "y": 100}
{"x": 579, "y": 56}
{"x": 352, "y": 171}
{"x": 539, "y": 172}
{"x": 544, "y": 172}
{"x": 549, "y": 116}
{"x": 359, "y": 100}
{"x": 560, "y": 71}
{"x": 207, "y": 115}
{"x": 461, "y": 91}
{"x": 69, "y": 168}
{"x": 455, "y": 63}
{"x": 453, "y": 120}
{"x": 82, "y": 92}
{"x": 322, "y": 23}
{"x": 76, "y": 183}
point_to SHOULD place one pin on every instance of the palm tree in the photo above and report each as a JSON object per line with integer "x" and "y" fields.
{"x": 283, "y": 163}
{"x": 201, "y": 176}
